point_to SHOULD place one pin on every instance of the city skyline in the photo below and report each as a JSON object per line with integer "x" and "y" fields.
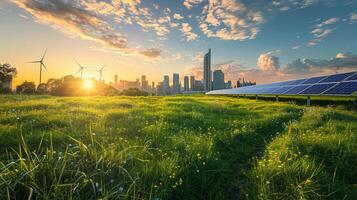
{"x": 262, "y": 41}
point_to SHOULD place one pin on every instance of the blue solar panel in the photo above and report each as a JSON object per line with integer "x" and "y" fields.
{"x": 297, "y": 89}
{"x": 353, "y": 77}
{"x": 269, "y": 90}
{"x": 282, "y": 90}
{"x": 317, "y": 89}
{"x": 336, "y": 77}
{"x": 344, "y": 88}
{"x": 297, "y": 82}
{"x": 337, "y": 84}
{"x": 314, "y": 80}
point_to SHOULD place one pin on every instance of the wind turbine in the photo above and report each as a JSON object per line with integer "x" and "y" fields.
{"x": 42, "y": 64}
{"x": 101, "y": 74}
{"x": 81, "y": 68}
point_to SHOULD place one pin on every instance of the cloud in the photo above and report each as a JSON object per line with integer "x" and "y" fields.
{"x": 190, "y": 3}
{"x": 320, "y": 31}
{"x": 328, "y": 22}
{"x": 353, "y": 18}
{"x": 295, "y": 47}
{"x": 342, "y": 61}
{"x": 177, "y": 16}
{"x": 187, "y": 31}
{"x": 70, "y": 18}
{"x": 269, "y": 63}
{"x": 230, "y": 20}
{"x": 151, "y": 53}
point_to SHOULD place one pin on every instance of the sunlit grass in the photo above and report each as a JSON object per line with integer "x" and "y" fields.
{"x": 174, "y": 148}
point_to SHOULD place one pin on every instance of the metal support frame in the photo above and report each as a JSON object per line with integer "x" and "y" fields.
{"x": 308, "y": 101}
{"x": 277, "y": 98}
{"x": 256, "y": 97}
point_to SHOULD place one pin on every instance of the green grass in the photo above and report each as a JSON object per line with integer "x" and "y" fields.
{"x": 182, "y": 147}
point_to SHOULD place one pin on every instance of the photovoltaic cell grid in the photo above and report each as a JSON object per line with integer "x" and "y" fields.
{"x": 337, "y": 84}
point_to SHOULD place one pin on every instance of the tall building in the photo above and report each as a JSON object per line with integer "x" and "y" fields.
{"x": 198, "y": 86}
{"x": 218, "y": 80}
{"x": 186, "y": 86}
{"x": 144, "y": 83}
{"x": 176, "y": 84}
{"x": 229, "y": 85}
{"x": 116, "y": 81}
{"x": 192, "y": 83}
{"x": 207, "y": 74}
{"x": 166, "y": 85}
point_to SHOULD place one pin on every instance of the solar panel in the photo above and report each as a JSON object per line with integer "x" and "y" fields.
{"x": 336, "y": 77}
{"x": 297, "y": 89}
{"x": 352, "y": 78}
{"x": 314, "y": 80}
{"x": 297, "y": 82}
{"x": 337, "y": 84}
{"x": 317, "y": 89}
{"x": 344, "y": 88}
{"x": 282, "y": 90}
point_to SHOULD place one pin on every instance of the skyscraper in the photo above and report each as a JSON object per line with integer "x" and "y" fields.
{"x": 207, "y": 74}
{"x": 218, "y": 80}
{"x": 166, "y": 85}
{"x": 186, "y": 86}
{"x": 176, "y": 84}
{"x": 144, "y": 83}
{"x": 192, "y": 83}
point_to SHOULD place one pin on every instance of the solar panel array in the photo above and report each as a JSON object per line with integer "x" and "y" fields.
{"x": 337, "y": 84}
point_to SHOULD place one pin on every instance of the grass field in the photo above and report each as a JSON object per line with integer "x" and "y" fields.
{"x": 181, "y": 147}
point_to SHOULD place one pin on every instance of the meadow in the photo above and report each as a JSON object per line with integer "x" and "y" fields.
{"x": 179, "y": 147}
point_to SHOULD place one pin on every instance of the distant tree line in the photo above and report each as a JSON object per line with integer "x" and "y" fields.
{"x": 65, "y": 86}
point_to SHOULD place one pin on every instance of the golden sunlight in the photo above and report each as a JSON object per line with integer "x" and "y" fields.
{"x": 88, "y": 84}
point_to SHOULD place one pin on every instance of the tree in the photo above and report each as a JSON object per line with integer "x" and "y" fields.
{"x": 7, "y": 73}
{"x": 42, "y": 89}
{"x": 26, "y": 88}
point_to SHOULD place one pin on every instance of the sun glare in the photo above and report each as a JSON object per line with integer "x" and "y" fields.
{"x": 88, "y": 84}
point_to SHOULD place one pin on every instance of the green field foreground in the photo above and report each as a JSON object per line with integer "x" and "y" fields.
{"x": 182, "y": 147}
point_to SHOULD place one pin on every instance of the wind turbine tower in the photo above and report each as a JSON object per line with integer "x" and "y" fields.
{"x": 42, "y": 64}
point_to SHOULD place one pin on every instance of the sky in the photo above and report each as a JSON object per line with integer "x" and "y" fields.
{"x": 262, "y": 41}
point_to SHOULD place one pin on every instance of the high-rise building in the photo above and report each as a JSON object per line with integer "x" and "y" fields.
{"x": 192, "y": 83}
{"x": 229, "y": 85}
{"x": 116, "y": 81}
{"x": 166, "y": 85}
{"x": 218, "y": 80}
{"x": 198, "y": 86}
{"x": 186, "y": 85}
{"x": 176, "y": 84}
{"x": 144, "y": 83}
{"x": 207, "y": 74}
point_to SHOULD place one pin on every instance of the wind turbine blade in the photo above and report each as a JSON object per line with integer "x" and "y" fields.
{"x": 43, "y": 64}
{"x": 44, "y": 55}
{"x": 77, "y": 72}
{"x": 34, "y": 62}
{"x": 79, "y": 65}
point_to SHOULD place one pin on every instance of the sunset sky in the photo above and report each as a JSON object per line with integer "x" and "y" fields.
{"x": 260, "y": 40}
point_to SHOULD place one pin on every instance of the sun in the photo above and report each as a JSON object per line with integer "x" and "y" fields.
{"x": 88, "y": 84}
